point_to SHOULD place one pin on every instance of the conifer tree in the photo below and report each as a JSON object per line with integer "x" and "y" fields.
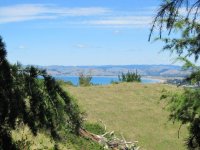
{"x": 32, "y": 97}
{"x": 184, "y": 105}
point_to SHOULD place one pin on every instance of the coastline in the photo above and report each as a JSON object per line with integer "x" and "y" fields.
{"x": 108, "y": 79}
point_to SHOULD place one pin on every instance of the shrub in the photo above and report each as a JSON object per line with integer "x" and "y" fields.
{"x": 95, "y": 128}
{"x": 82, "y": 143}
{"x": 184, "y": 107}
{"x": 114, "y": 82}
{"x": 85, "y": 80}
{"x": 61, "y": 82}
{"x": 69, "y": 83}
{"x": 130, "y": 77}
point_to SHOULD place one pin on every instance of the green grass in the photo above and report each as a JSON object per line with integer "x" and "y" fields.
{"x": 134, "y": 110}
{"x": 26, "y": 141}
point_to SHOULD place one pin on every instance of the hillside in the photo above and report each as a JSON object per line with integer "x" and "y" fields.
{"x": 133, "y": 110}
{"x": 114, "y": 70}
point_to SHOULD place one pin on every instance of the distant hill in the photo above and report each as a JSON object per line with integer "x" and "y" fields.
{"x": 114, "y": 70}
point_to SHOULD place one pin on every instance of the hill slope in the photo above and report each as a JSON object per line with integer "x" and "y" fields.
{"x": 114, "y": 70}
{"x": 134, "y": 110}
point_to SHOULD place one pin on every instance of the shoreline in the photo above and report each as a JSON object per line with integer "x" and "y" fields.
{"x": 113, "y": 76}
{"x": 156, "y": 79}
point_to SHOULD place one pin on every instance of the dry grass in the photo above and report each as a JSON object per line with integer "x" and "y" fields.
{"x": 134, "y": 110}
{"x": 40, "y": 142}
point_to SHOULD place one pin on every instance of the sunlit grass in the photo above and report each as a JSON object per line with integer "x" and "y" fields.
{"x": 134, "y": 110}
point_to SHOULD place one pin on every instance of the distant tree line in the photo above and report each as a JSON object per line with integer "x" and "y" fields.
{"x": 130, "y": 77}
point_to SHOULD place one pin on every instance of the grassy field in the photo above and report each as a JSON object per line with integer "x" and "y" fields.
{"x": 134, "y": 110}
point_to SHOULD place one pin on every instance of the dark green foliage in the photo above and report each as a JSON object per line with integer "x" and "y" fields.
{"x": 130, "y": 77}
{"x": 95, "y": 128}
{"x": 187, "y": 44}
{"x": 194, "y": 78}
{"x": 62, "y": 83}
{"x": 169, "y": 12}
{"x": 38, "y": 103}
{"x": 114, "y": 82}
{"x": 69, "y": 83}
{"x": 184, "y": 103}
{"x": 84, "y": 80}
{"x": 184, "y": 106}
{"x": 83, "y": 143}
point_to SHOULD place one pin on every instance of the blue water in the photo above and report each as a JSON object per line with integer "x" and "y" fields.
{"x": 101, "y": 80}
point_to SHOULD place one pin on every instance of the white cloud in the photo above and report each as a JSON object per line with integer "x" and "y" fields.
{"x": 86, "y": 46}
{"x": 81, "y": 46}
{"x": 79, "y": 16}
{"x": 22, "y": 47}
{"x": 134, "y": 21}
{"x": 116, "y": 31}
{"x": 90, "y": 11}
{"x": 39, "y": 11}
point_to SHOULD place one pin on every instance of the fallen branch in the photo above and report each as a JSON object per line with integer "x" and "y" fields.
{"x": 109, "y": 141}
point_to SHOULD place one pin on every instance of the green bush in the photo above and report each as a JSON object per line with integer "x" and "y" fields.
{"x": 94, "y": 128}
{"x": 130, "y": 77}
{"x": 69, "y": 83}
{"x": 83, "y": 143}
{"x": 85, "y": 80}
{"x": 184, "y": 107}
{"x": 61, "y": 82}
{"x": 114, "y": 82}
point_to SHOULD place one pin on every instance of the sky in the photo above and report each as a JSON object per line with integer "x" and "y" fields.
{"x": 80, "y": 32}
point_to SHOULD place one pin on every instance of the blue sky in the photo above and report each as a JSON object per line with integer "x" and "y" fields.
{"x": 80, "y": 32}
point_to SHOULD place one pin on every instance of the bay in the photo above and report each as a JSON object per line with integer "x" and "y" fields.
{"x": 102, "y": 80}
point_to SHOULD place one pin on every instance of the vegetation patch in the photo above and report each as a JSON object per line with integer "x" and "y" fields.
{"x": 133, "y": 110}
{"x": 130, "y": 77}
